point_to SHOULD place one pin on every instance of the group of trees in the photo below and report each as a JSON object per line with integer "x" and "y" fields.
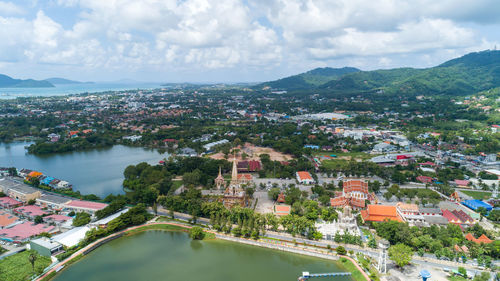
{"x": 96, "y": 140}
{"x": 81, "y": 219}
{"x": 438, "y": 240}
{"x": 135, "y": 216}
{"x": 425, "y": 195}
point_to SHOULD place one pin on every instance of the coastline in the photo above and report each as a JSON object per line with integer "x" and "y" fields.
{"x": 173, "y": 226}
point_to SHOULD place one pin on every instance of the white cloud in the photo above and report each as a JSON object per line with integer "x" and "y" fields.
{"x": 9, "y": 8}
{"x": 203, "y": 35}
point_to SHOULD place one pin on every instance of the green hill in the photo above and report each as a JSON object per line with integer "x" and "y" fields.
{"x": 310, "y": 79}
{"x": 8, "y": 82}
{"x": 461, "y": 76}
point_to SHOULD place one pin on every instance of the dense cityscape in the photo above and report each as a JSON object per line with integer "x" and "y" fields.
{"x": 342, "y": 173}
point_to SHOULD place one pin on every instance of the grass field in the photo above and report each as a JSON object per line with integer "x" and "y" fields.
{"x": 477, "y": 194}
{"x": 356, "y": 274}
{"x": 355, "y": 155}
{"x": 17, "y": 267}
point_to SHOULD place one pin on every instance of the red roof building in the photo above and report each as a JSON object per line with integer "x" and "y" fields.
{"x": 254, "y": 166}
{"x": 482, "y": 239}
{"x": 7, "y": 219}
{"x": 354, "y": 193}
{"x": 282, "y": 210}
{"x": 451, "y": 217}
{"x": 56, "y": 218}
{"x": 462, "y": 183}
{"x": 304, "y": 177}
{"x": 21, "y": 232}
{"x": 424, "y": 179}
{"x": 30, "y": 211}
{"x": 8, "y": 203}
{"x": 87, "y": 206}
{"x": 464, "y": 217}
{"x": 380, "y": 213}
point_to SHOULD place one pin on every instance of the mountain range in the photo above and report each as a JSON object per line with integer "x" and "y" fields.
{"x": 8, "y": 82}
{"x": 464, "y": 75}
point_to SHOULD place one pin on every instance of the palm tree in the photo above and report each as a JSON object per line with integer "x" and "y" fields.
{"x": 32, "y": 259}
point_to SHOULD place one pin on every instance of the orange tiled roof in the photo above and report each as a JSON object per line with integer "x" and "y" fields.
{"x": 34, "y": 174}
{"x": 303, "y": 175}
{"x": 482, "y": 239}
{"x": 245, "y": 176}
{"x": 380, "y": 213}
{"x": 282, "y": 210}
{"x": 7, "y": 219}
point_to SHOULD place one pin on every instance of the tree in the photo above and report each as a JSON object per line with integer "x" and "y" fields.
{"x": 388, "y": 195}
{"x": 462, "y": 271}
{"x": 341, "y": 250}
{"x": 484, "y": 276}
{"x": 38, "y": 219}
{"x": 273, "y": 193}
{"x": 32, "y": 258}
{"x": 372, "y": 243}
{"x": 196, "y": 233}
{"x": 400, "y": 254}
{"x": 155, "y": 208}
{"x": 81, "y": 219}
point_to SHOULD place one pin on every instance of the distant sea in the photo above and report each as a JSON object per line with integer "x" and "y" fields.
{"x": 68, "y": 89}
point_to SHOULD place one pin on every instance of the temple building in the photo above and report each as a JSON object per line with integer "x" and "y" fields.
{"x": 220, "y": 182}
{"x": 234, "y": 193}
{"x": 346, "y": 224}
{"x": 355, "y": 193}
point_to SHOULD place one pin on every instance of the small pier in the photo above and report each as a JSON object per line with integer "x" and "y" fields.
{"x": 307, "y": 275}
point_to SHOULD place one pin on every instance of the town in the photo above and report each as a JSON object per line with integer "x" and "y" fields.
{"x": 362, "y": 178}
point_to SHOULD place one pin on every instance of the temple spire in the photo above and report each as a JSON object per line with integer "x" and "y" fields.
{"x": 234, "y": 173}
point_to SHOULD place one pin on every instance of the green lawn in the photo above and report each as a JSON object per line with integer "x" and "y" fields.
{"x": 335, "y": 164}
{"x": 356, "y": 274}
{"x": 17, "y": 267}
{"x": 477, "y": 194}
{"x": 360, "y": 155}
{"x": 2, "y": 250}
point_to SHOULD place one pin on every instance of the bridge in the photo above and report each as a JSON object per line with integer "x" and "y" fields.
{"x": 306, "y": 275}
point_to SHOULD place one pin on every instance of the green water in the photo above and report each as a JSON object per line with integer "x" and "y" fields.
{"x": 161, "y": 255}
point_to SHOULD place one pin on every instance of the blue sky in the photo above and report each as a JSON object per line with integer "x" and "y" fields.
{"x": 235, "y": 40}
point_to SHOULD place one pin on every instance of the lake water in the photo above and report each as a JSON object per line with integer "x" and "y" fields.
{"x": 98, "y": 171}
{"x": 161, "y": 255}
{"x": 68, "y": 89}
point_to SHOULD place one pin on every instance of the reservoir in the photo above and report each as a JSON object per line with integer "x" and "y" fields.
{"x": 97, "y": 171}
{"x": 171, "y": 255}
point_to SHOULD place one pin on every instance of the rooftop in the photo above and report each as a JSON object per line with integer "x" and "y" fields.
{"x": 54, "y": 199}
{"x": 30, "y": 210}
{"x": 86, "y": 204}
{"x": 7, "y": 201}
{"x": 303, "y": 175}
{"x": 25, "y": 230}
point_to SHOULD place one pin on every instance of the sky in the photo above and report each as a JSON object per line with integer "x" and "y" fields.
{"x": 235, "y": 40}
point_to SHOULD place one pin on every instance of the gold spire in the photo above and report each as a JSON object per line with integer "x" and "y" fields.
{"x": 234, "y": 174}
